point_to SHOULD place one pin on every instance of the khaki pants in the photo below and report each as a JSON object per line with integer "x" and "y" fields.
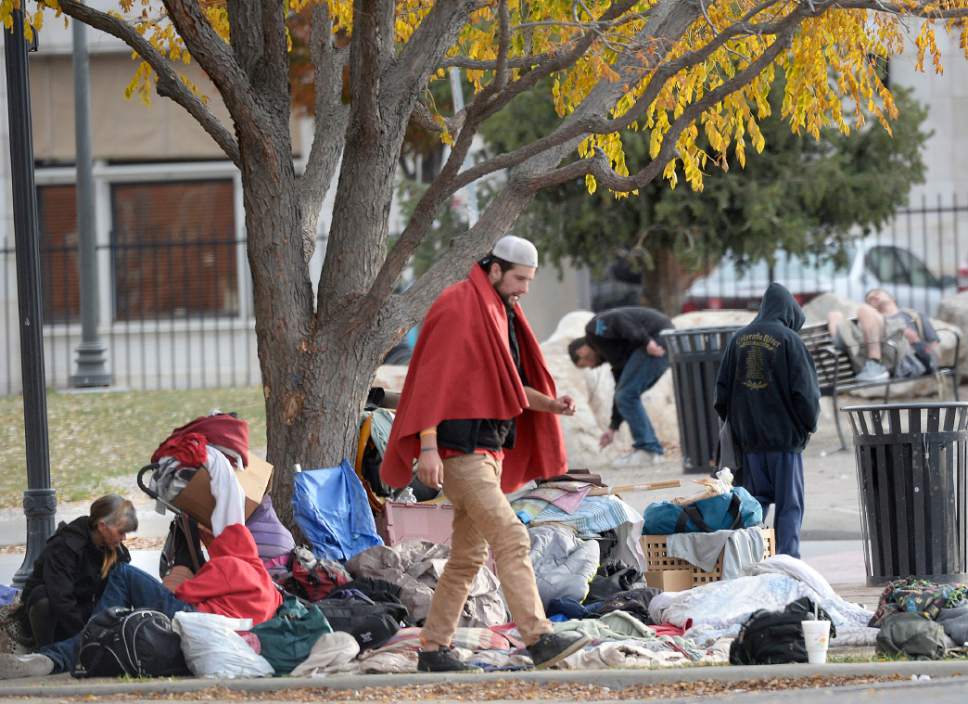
{"x": 482, "y": 516}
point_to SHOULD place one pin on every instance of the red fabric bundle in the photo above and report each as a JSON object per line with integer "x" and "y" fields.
{"x": 462, "y": 369}
{"x": 188, "y": 449}
{"x": 221, "y": 429}
{"x": 233, "y": 582}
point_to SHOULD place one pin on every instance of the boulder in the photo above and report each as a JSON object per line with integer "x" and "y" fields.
{"x": 818, "y": 309}
{"x": 713, "y": 319}
{"x": 953, "y": 311}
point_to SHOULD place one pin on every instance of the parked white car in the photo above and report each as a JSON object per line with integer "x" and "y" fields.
{"x": 870, "y": 264}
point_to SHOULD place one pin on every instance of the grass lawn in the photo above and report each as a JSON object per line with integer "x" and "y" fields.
{"x": 99, "y": 440}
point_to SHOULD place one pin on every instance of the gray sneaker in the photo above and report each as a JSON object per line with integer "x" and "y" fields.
{"x": 873, "y": 371}
{"x": 16, "y": 666}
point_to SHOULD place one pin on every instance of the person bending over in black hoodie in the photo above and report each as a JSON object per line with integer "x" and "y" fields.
{"x": 767, "y": 389}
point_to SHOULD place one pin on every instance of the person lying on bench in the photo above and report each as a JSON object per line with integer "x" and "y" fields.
{"x": 912, "y": 343}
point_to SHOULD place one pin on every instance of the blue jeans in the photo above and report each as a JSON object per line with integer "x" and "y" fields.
{"x": 126, "y": 586}
{"x": 639, "y": 374}
{"x": 777, "y": 478}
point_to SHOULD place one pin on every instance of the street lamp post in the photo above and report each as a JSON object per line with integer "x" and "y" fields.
{"x": 91, "y": 359}
{"x": 40, "y": 502}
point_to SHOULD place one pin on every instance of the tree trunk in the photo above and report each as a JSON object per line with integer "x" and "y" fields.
{"x": 664, "y": 287}
{"x": 315, "y": 373}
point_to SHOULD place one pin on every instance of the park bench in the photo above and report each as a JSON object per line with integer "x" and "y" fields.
{"x": 835, "y": 373}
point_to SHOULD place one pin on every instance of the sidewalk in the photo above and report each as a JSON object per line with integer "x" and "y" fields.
{"x": 63, "y": 685}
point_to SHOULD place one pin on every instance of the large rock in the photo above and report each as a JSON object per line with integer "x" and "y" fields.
{"x": 953, "y": 311}
{"x": 713, "y": 319}
{"x": 818, "y": 309}
{"x": 593, "y": 390}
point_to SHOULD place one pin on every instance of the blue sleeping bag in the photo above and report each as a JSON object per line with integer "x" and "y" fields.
{"x": 330, "y": 508}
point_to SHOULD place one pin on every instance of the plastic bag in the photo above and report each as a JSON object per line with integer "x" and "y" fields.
{"x": 212, "y": 648}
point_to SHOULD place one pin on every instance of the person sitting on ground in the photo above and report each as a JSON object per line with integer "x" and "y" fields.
{"x": 232, "y": 583}
{"x": 885, "y": 340}
{"x": 71, "y": 572}
{"x": 628, "y": 339}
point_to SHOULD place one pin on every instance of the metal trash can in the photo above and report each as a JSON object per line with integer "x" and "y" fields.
{"x": 694, "y": 356}
{"x": 912, "y": 473}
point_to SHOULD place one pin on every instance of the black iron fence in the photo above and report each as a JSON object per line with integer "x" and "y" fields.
{"x": 920, "y": 257}
{"x": 173, "y": 314}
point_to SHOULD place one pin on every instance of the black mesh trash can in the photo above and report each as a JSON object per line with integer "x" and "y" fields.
{"x": 694, "y": 356}
{"x": 911, "y": 473}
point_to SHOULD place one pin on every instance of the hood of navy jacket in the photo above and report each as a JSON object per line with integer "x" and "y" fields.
{"x": 778, "y": 304}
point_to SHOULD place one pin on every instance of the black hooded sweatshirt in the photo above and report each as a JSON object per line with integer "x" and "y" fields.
{"x": 767, "y": 383}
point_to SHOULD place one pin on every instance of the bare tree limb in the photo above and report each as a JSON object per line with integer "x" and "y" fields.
{"x": 600, "y": 125}
{"x": 245, "y": 30}
{"x": 503, "y": 45}
{"x": 215, "y": 57}
{"x": 422, "y": 217}
{"x": 436, "y": 33}
{"x": 331, "y": 119}
{"x": 169, "y": 84}
{"x": 924, "y": 9}
{"x": 599, "y": 165}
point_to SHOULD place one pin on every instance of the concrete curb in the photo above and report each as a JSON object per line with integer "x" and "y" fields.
{"x": 64, "y": 686}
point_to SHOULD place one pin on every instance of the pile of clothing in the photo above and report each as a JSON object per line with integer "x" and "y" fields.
{"x": 921, "y": 619}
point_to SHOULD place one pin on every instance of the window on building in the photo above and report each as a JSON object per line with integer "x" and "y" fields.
{"x": 174, "y": 250}
{"x": 57, "y": 208}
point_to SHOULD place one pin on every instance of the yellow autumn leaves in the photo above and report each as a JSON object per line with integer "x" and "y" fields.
{"x": 831, "y": 66}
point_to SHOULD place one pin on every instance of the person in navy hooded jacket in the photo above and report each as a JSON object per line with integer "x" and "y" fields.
{"x": 767, "y": 390}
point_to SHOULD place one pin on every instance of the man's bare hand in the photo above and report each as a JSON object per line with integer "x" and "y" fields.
{"x": 430, "y": 469}
{"x": 912, "y": 335}
{"x": 654, "y": 349}
{"x": 607, "y": 437}
{"x": 563, "y": 405}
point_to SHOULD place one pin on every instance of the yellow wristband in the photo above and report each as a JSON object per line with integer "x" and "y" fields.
{"x": 425, "y": 433}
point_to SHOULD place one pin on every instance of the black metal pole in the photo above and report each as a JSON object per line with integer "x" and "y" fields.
{"x": 39, "y": 500}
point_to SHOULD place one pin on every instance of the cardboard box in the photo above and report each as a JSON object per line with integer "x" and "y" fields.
{"x": 669, "y": 580}
{"x": 197, "y": 501}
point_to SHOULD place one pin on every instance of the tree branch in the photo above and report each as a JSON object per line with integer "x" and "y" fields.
{"x": 921, "y": 10}
{"x": 216, "y": 59}
{"x": 331, "y": 118}
{"x": 599, "y": 165}
{"x": 245, "y": 28}
{"x": 422, "y": 218}
{"x": 503, "y": 45}
{"x": 601, "y": 125}
{"x": 169, "y": 84}
{"x": 436, "y": 33}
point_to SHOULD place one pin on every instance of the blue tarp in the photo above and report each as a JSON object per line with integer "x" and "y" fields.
{"x": 7, "y": 594}
{"x": 331, "y": 510}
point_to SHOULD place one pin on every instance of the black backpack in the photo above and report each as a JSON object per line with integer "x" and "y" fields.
{"x": 135, "y": 642}
{"x": 775, "y": 637}
{"x": 371, "y": 624}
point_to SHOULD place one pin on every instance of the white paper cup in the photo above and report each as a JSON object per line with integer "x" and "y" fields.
{"x": 816, "y": 636}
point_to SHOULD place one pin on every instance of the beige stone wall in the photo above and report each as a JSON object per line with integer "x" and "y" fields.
{"x": 122, "y": 129}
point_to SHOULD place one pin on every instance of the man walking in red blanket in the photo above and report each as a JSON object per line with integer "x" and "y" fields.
{"x": 478, "y": 413}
